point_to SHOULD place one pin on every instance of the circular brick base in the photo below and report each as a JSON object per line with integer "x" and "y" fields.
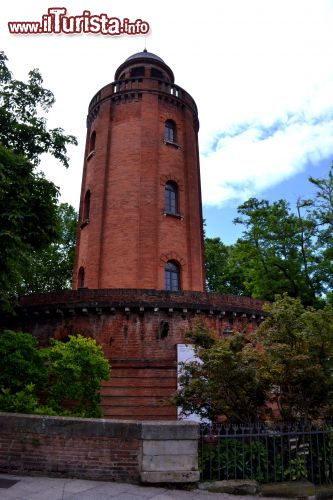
{"x": 139, "y": 331}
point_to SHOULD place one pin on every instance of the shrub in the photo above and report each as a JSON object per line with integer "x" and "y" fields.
{"x": 63, "y": 379}
{"x": 76, "y": 369}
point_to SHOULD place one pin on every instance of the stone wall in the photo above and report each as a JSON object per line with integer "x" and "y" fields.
{"x": 130, "y": 451}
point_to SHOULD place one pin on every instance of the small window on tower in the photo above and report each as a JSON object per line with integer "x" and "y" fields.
{"x": 172, "y": 276}
{"x": 138, "y": 71}
{"x": 80, "y": 283}
{"x": 170, "y": 131}
{"x": 171, "y": 198}
{"x": 156, "y": 73}
{"x": 86, "y": 206}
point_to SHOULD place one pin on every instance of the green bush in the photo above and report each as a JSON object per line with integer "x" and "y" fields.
{"x": 234, "y": 459}
{"x": 273, "y": 456}
{"x": 76, "y": 369}
{"x": 23, "y": 401}
{"x": 63, "y": 379}
{"x": 21, "y": 362}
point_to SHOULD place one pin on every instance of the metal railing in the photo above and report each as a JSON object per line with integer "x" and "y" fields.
{"x": 267, "y": 453}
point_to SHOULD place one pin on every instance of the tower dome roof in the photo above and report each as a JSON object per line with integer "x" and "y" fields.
{"x": 146, "y": 55}
{"x": 146, "y": 59}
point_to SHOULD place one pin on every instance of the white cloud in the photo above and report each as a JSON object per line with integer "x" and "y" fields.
{"x": 287, "y": 84}
{"x": 257, "y": 158}
{"x": 257, "y": 64}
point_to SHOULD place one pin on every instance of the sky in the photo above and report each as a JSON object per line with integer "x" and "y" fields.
{"x": 260, "y": 71}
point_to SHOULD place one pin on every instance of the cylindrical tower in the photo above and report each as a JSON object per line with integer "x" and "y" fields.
{"x": 140, "y": 216}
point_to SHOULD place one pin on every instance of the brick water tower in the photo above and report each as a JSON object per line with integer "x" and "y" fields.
{"x": 140, "y": 210}
{"x": 138, "y": 280}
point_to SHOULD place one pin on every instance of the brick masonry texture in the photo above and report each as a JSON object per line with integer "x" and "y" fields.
{"x": 97, "y": 448}
{"x": 204, "y": 300}
{"x": 139, "y": 331}
{"x": 88, "y": 448}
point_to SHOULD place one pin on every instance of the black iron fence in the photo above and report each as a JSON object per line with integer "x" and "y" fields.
{"x": 267, "y": 453}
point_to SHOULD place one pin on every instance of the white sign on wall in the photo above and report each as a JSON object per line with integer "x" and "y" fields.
{"x": 185, "y": 354}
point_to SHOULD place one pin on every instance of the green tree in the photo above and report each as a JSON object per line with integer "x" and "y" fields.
{"x": 28, "y": 202}
{"x": 222, "y": 381}
{"x": 277, "y": 251}
{"x": 76, "y": 369}
{"x": 285, "y": 367}
{"x": 22, "y": 129}
{"x": 296, "y": 357}
{"x": 28, "y": 220}
{"x": 51, "y": 268}
{"x": 323, "y": 203}
{"x": 322, "y": 212}
{"x": 281, "y": 250}
{"x": 223, "y": 272}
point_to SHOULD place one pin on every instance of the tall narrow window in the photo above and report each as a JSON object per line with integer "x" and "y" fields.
{"x": 171, "y": 198}
{"x": 172, "y": 276}
{"x": 86, "y": 206}
{"x": 92, "y": 143}
{"x": 80, "y": 280}
{"x": 170, "y": 131}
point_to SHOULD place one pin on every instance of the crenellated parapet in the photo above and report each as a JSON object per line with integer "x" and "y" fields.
{"x": 132, "y": 89}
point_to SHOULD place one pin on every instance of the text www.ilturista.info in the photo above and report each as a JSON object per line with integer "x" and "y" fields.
{"x": 57, "y": 22}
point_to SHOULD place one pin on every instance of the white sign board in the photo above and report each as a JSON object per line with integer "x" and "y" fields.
{"x": 185, "y": 353}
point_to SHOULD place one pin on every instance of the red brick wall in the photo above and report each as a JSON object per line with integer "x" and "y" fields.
{"x": 126, "y": 323}
{"x": 87, "y": 448}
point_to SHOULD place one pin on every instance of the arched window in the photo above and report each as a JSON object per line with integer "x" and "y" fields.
{"x": 170, "y": 131}
{"x": 172, "y": 276}
{"x": 92, "y": 143}
{"x": 80, "y": 281}
{"x": 171, "y": 197}
{"x": 86, "y": 206}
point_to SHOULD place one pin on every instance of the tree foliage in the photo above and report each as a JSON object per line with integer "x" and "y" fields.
{"x": 285, "y": 368}
{"x": 22, "y": 129}
{"x": 21, "y": 361}
{"x": 296, "y": 346}
{"x": 281, "y": 250}
{"x": 51, "y": 268}
{"x": 322, "y": 212}
{"x": 222, "y": 381}
{"x": 63, "y": 379}
{"x": 28, "y": 202}
{"x": 278, "y": 252}
{"x": 224, "y": 273}
{"x": 28, "y": 219}
{"x": 76, "y": 369}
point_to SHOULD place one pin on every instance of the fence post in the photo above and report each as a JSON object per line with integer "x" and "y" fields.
{"x": 170, "y": 452}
